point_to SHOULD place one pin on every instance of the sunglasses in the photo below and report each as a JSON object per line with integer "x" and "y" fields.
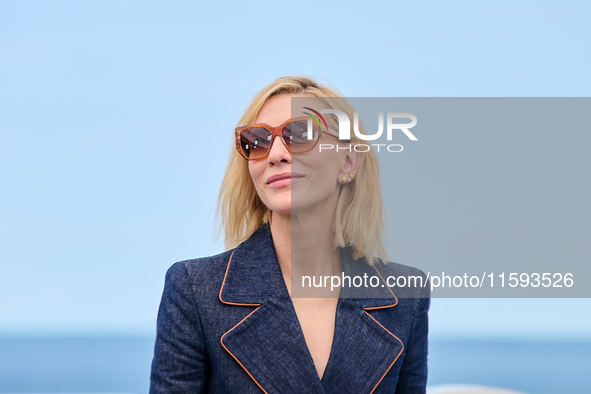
{"x": 254, "y": 142}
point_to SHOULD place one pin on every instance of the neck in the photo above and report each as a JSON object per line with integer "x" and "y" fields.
{"x": 304, "y": 244}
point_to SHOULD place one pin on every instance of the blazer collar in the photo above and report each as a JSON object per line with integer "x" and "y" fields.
{"x": 253, "y": 275}
{"x": 269, "y": 343}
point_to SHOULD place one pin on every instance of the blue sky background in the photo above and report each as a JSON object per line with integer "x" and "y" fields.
{"x": 116, "y": 122}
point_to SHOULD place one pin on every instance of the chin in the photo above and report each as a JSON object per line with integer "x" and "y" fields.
{"x": 282, "y": 210}
{"x": 281, "y": 207}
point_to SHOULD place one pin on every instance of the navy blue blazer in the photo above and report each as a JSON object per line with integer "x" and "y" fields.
{"x": 226, "y": 324}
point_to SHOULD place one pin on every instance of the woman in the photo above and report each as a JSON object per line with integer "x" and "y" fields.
{"x": 245, "y": 321}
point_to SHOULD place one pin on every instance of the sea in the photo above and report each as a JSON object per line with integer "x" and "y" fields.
{"x": 122, "y": 364}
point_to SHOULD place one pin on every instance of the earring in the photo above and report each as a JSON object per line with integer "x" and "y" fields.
{"x": 344, "y": 179}
{"x": 352, "y": 175}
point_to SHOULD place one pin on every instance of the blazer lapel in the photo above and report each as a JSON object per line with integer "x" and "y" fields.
{"x": 269, "y": 344}
{"x": 362, "y": 353}
{"x": 363, "y": 349}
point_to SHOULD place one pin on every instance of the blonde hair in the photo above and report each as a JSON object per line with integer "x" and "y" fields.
{"x": 359, "y": 221}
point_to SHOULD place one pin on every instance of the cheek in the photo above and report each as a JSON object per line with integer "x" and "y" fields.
{"x": 256, "y": 169}
{"x": 252, "y": 168}
{"x": 328, "y": 166}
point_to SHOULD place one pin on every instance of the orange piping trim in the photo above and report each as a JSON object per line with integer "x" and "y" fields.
{"x": 235, "y": 358}
{"x": 224, "y": 282}
{"x": 401, "y": 350}
{"x": 393, "y": 295}
{"x": 364, "y": 309}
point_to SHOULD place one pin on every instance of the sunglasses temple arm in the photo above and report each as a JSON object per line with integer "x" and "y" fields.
{"x": 335, "y": 136}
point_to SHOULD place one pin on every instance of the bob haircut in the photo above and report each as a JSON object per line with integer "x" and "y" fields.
{"x": 358, "y": 220}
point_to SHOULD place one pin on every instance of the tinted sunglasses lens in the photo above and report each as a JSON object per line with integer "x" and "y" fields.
{"x": 296, "y": 134}
{"x": 255, "y": 142}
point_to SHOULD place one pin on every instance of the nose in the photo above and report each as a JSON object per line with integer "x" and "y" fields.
{"x": 279, "y": 153}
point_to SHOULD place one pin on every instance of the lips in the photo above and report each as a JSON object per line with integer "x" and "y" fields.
{"x": 283, "y": 179}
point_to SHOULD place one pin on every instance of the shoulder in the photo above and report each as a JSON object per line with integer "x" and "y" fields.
{"x": 392, "y": 268}
{"x": 202, "y": 266}
{"x": 405, "y": 281}
{"x": 203, "y": 274}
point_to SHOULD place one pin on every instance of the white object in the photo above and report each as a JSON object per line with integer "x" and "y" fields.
{"x": 468, "y": 389}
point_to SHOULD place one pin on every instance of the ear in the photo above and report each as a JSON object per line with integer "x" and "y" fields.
{"x": 350, "y": 166}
